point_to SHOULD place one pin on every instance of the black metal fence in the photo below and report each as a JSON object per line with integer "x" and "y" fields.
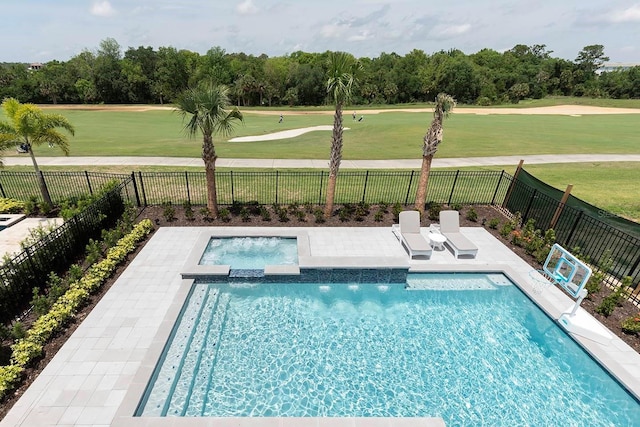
{"x": 61, "y": 185}
{"x": 599, "y": 237}
{"x": 57, "y": 250}
{"x": 579, "y": 230}
{"x": 478, "y": 187}
{"x": 154, "y": 188}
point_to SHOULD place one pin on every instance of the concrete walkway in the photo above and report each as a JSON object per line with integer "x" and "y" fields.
{"x": 323, "y": 164}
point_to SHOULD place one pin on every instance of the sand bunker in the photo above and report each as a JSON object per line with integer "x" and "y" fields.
{"x": 562, "y": 110}
{"x": 285, "y": 134}
{"x": 565, "y": 110}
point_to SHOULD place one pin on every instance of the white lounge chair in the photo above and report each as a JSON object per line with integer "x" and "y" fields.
{"x": 456, "y": 241}
{"x": 408, "y": 232}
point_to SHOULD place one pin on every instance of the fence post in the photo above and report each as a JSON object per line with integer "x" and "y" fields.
{"x": 276, "y": 187}
{"x": 453, "y": 187}
{"x": 364, "y": 191}
{"x": 513, "y": 183}
{"x": 406, "y": 199}
{"x": 526, "y": 213}
{"x": 186, "y": 179}
{"x": 563, "y": 202}
{"x": 144, "y": 194}
{"x": 86, "y": 174}
{"x": 233, "y": 197}
{"x": 135, "y": 188}
{"x": 321, "y": 184}
{"x": 573, "y": 228}
{"x": 495, "y": 193}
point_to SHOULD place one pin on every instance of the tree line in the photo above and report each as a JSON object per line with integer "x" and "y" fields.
{"x": 149, "y": 76}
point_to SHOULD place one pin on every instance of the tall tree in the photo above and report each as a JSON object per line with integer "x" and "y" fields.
{"x": 108, "y": 78}
{"x": 590, "y": 58}
{"x": 342, "y": 75}
{"x": 27, "y": 125}
{"x": 205, "y": 107}
{"x": 444, "y": 104}
{"x": 53, "y": 81}
{"x": 172, "y": 74}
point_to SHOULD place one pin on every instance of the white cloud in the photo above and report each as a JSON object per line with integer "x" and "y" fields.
{"x": 247, "y": 8}
{"x": 102, "y": 8}
{"x": 449, "y": 31}
{"x": 333, "y": 31}
{"x": 361, "y": 36}
{"x": 631, "y": 14}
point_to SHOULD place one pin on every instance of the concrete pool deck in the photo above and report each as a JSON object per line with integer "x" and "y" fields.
{"x": 95, "y": 377}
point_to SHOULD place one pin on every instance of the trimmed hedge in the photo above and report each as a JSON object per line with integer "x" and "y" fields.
{"x": 31, "y": 347}
{"x": 11, "y": 206}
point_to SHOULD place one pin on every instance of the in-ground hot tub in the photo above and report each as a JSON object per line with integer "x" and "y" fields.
{"x": 261, "y": 252}
{"x": 250, "y": 253}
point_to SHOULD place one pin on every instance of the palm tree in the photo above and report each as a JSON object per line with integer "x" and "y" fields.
{"x": 444, "y": 104}
{"x": 343, "y": 72}
{"x": 28, "y": 126}
{"x": 205, "y": 106}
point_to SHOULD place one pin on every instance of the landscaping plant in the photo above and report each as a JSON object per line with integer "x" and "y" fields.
{"x": 30, "y": 347}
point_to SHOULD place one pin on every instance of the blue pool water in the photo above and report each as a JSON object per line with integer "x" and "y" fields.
{"x": 250, "y": 253}
{"x": 469, "y": 348}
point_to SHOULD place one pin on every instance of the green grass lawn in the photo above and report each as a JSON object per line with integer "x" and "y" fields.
{"x": 393, "y": 135}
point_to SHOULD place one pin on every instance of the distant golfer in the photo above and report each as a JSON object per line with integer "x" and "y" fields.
{"x": 354, "y": 116}
{"x": 281, "y": 119}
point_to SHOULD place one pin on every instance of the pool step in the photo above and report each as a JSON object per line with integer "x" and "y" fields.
{"x": 451, "y": 282}
{"x": 198, "y": 398}
{"x": 165, "y": 375}
{"x": 202, "y": 332}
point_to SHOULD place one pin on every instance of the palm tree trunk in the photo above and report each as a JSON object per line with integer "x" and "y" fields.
{"x": 421, "y": 194}
{"x": 331, "y": 193}
{"x": 334, "y": 161}
{"x": 209, "y": 156}
{"x": 43, "y": 186}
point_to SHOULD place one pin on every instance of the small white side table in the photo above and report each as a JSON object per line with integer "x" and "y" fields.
{"x": 437, "y": 240}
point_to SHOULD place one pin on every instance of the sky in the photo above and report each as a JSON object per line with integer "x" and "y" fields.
{"x": 43, "y": 30}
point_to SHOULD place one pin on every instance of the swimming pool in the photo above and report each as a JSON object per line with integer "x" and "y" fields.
{"x": 250, "y": 253}
{"x": 471, "y": 349}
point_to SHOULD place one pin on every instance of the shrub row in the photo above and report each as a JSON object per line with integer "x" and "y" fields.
{"x": 538, "y": 245}
{"x": 54, "y": 252}
{"x": 10, "y": 206}
{"x": 30, "y": 348}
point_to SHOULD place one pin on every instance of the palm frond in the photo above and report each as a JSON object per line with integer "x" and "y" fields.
{"x": 343, "y": 73}
{"x": 205, "y": 108}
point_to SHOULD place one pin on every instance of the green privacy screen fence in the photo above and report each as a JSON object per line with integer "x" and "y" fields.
{"x": 597, "y": 234}
{"x": 600, "y": 235}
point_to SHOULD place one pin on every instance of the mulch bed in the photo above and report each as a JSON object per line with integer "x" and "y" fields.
{"x": 158, "y": 215}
